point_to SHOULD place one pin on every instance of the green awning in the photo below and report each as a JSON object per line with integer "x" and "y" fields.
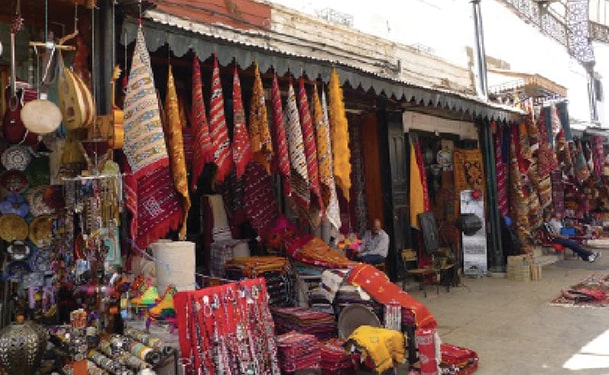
{"x": 180, "y": 38}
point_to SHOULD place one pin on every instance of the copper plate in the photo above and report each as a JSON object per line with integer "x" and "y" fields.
{"x": 41, "y": 230}
{"x": 13, "y": 228}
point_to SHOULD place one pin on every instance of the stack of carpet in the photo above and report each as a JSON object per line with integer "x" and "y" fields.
{"x": 335, "y": 360}
{"x": 458, "y": 360}
{"x": 275, "y": 270}
{"x": 304, "y": 320}
{"x": 298, "y": 351}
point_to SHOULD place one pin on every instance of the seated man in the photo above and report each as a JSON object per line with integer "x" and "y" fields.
{"x": 375, "y": 245}
{"x": 552, "y": 227}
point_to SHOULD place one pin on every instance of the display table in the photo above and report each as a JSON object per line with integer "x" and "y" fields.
{"x": 436, "y": 274}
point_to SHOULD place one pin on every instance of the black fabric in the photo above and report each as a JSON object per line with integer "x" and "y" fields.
{"x": 429, "y": 230}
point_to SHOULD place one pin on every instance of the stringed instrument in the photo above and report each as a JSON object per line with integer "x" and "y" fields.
{"x": 117, "y": 137}
{"x": 75, "y": 98}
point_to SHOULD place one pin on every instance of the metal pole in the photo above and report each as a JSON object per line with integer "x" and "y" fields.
{"x": 592, "y": 99}
{"x": 496, "y": 259}
{"x": 479, "y": 52}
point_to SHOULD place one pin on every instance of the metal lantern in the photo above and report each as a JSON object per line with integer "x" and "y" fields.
{"x": 22, "y": 345}
{"x": 469, "y": 223}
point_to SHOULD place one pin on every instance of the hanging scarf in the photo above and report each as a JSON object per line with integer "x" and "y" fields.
{"x": 308, "y": 137}
{"x": 281, "y": 163}
{"x": 296, "y": 149}
{"x": 324, "y": 157}
{"x": 260, "y": 135}
{"x": 202, "y": 145}
{"x": 217, "y": 127}
{"x": 242, "y": 150}
{"x": 339, "y": 134}
{"x": 417, "y": 200}
{"x": 149, "y": 190}
{"x": 175, "y": 144}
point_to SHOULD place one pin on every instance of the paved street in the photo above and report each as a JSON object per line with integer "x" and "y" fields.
{"x": 515, "y": 331}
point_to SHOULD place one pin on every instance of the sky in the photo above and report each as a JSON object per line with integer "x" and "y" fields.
{"x": 445, "y": 28}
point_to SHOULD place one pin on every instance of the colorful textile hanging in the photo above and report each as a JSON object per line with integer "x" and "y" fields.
{"x": 519, "y": 195}
{"x": 417, "y": 200}
{"x": 242, "y": 150}
{"x": 258, "y": 199}
{"x": 149, "y": 190}
{"x": 546, "y": 158}
{"x": 308, "y": 137}
{"x": 175, "y": 144}
{"x": 217, "y": 126}
{"x": 260, "y": 134}
{"x": 385, "y": 292}
{"x": 324, "y": 158}
{"x": 502, "y": 173}
{"x": 582, "y": 172}
{"x": 598, "y": 154}
{"x": 468, "y": 172}
{"x": 339, "y": 134}
{"x": 202, "y": 144}
{"x": 281, "y": 162}
{"x": 563, "y": 153}
{"x": 423, "y": 175}
{"x": 298, "y": 161}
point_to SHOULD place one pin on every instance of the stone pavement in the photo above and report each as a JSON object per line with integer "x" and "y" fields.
{"x": 513, "y": 328}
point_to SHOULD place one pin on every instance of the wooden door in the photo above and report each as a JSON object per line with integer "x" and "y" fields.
{"x": 397, "y": 200}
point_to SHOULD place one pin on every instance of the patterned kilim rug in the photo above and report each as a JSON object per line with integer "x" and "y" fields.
{"x": 593, "y": 291}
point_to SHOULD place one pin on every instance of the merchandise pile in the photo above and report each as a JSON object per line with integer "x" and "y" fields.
{"x": 458, "y": 360}
{"x": 335, "y": 360}
{"x": 298, "y": 351}
{"x": 275, "y": 271}
{"x": 304, "y": 320}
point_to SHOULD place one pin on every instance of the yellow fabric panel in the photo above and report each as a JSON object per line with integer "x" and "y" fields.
{"x": 417, "y": 197}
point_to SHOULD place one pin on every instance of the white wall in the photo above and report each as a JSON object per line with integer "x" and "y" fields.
{"x": 601, "y": 53}
{"x": 446, "y": 26}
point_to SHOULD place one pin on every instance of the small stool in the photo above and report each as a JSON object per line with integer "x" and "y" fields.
{"x": 380, "y": 267}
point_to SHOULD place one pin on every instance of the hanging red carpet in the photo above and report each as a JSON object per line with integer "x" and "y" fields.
{"x": 308, "y": 137}
{"x": 217, "y": 127}
{"x": 281, "y": 162}
{"x": 149, "y": 190}
{"x": 175, "y": 144}
{"x": 242, "y": 150}
{"x": 202, "y": 145}
{"x": 376, "y": 283}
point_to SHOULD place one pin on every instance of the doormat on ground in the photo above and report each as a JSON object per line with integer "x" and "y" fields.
{"x": 593, "y": 291}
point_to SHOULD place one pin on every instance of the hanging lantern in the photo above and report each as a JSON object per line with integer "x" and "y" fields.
{"x": 469, "y": 223}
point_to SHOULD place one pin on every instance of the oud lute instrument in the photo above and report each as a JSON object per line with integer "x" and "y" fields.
{"x": 75, "y": 99}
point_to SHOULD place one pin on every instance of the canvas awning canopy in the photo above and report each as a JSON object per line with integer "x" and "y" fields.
{"x": 183, "y": 35}
{"x": 530, "y": 85}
